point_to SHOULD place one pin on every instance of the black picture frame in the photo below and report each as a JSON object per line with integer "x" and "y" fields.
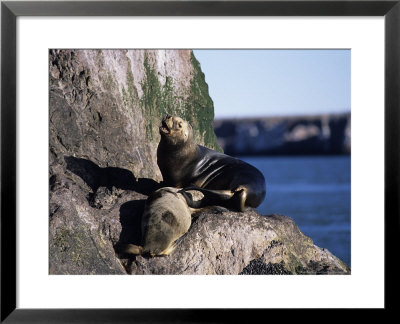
{"x": 11, "y": 10}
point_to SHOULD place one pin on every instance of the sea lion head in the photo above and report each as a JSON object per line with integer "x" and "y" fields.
{"x": 175, "y": 130}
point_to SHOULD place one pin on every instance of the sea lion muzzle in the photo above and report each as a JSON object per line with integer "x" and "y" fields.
{"x": 164, "y": 128}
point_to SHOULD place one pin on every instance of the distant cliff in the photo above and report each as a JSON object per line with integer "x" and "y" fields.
{"x": 323, "y": 134}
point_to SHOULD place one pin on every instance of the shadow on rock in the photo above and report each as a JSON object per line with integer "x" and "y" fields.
{"x": 109, "y": 177}
{"x": 130, "y": 216}
{"x": 130, "y": 213}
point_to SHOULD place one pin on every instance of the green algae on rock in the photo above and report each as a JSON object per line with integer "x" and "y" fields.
{"x": 114, "y": 100}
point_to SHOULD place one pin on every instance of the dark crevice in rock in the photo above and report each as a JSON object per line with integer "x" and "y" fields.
{"x": 274, "y": 244}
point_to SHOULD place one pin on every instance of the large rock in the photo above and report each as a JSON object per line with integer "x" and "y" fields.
{"x": 106, "y": 105}
{"x": 241, "y": 243}
{"x": 105, "y": 109}
{"x": 219, "y": 242}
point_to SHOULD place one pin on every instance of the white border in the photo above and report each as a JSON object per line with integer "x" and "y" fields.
{"x": 363, "y": 288}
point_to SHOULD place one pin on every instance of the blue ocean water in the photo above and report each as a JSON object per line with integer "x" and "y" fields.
{"x": 313, "y": 190}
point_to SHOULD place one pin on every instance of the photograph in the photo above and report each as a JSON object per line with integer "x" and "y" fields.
{"x": 199, "y": 161}
{"x": 193, "y": 161}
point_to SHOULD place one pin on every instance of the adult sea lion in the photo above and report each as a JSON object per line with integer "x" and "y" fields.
{"x": 231, "y": 182}
{"x": 165, "y": 219}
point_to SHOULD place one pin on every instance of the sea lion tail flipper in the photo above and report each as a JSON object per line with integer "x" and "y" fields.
{"x": 239, "y": 199}
{"x": 217, "y": 195}
{"x": 221, "y": 194}
{"x": 210, "y": 197}
{"x": 129, "y": 249}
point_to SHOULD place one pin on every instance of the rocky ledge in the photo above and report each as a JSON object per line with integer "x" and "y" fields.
{"x": 241, "y": 243}
{"x": 84, "y": 234}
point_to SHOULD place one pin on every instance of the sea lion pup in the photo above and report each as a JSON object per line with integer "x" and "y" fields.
{"x": 186, "y": 164}
{"x": 166, "y": 218}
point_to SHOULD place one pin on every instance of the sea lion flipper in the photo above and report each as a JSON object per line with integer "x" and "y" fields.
{"x": 169, "y": 249}
{"x": 224, "y": 194}
{"x": 234, "y": 200}
{"x": 189, "y": 199}
{"x": 239, "y": 199}
{"x": 129, "y": 249}
{"x": 210, "y": 197}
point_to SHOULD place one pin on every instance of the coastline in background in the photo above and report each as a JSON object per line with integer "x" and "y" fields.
{"x": 328, "y": 134}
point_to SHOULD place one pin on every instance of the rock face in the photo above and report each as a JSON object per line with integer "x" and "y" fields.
{"x": 241, "y": 243}
{"x": 326, "y": 134}
{"x": 105, "y": 109}
{"x": 107, "y": 105}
